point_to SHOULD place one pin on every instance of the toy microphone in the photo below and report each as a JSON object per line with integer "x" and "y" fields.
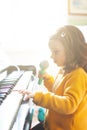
{"x": 43, "y": 66}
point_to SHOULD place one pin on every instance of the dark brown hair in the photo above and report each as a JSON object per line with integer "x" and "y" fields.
{"x": 75, "y": 47}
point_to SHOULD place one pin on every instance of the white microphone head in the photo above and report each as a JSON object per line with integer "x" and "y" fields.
{"x": 44, "y": 64}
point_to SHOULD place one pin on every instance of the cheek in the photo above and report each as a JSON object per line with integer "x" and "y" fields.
{"x": 61, "y": 59}
{"x": 64, "y": 59}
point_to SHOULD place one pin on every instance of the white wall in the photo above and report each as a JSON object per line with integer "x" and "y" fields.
{"x": 25, "y": 28}
{"x": 25, "y": 24}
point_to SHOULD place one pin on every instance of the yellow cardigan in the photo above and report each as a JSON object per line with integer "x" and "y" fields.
{"x": 67, "y": 103}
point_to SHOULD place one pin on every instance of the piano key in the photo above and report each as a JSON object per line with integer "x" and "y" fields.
{"x": 4, "y": 90}
{"x": 11, "y": 80}
{"x": 2, "y": 96}
{"x": 1, "y": 100}
{"x": 6, "y": 86}
{"x": 9, "y": 83}
{"x": 10, "y": 106}
{"x": 14, "y": 74}
{"x": 3, "y": 75}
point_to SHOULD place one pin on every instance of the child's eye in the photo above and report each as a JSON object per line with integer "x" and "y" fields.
{"x": 56, "y": 52}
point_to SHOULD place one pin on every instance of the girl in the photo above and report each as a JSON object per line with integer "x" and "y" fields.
{"x": 66, "y": 99}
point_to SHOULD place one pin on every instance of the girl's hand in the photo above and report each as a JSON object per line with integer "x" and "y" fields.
{"x": 27, "y": 95}
{"x": 44, "y": 76}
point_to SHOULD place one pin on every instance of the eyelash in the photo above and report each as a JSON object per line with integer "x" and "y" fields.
{"x": 56, "y": 52}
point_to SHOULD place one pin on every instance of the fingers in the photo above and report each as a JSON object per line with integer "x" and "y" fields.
{"x": 23, "y": 92}
{"x": 26, "y": 98}
{"x": 45, "y": 75}
{"x": 26, "y": 93}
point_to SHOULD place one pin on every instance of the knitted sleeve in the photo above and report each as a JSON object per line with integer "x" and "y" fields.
{"x": 48, "y": 82}
{"x": 74, "y": 91}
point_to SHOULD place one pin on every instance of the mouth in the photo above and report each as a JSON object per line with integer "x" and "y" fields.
{"x": 54, "y": 61}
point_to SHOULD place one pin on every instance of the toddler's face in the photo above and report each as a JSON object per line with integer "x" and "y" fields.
{"x": 58, "y": 53}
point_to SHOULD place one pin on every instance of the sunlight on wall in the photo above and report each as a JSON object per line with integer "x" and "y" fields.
{"x": 25, "y": 28}
{"x": 28, "y": 24}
